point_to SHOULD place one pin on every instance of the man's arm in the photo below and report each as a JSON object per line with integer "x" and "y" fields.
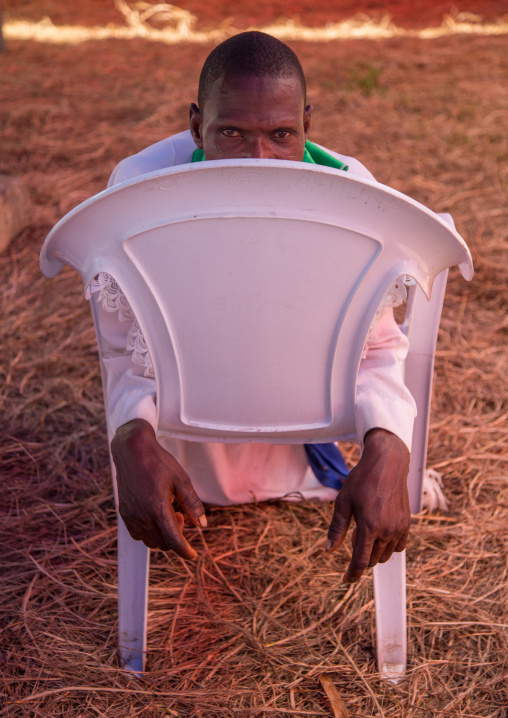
{"x": 149, "y": 479}
{"x": 375, "y": 493}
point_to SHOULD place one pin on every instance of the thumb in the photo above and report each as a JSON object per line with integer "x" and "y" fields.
{"x": 339, "y": 524}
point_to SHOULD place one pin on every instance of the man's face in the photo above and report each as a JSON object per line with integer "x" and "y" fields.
{"x": 253, "y": 117}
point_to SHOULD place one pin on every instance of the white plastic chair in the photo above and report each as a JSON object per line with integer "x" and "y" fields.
{"x": 248, "y": 274}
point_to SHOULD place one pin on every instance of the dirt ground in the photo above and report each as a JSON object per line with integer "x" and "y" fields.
{"x": 250, "y": 627}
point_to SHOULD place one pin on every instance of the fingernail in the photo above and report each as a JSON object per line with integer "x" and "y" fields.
{"x": 328, "y": 544}
{"x": 202, "y": 521}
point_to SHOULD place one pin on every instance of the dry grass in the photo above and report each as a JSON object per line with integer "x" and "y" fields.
{"x": 416, "y": 14}
{"x": 178, "y": 27}
{"x": 250, "y": 627}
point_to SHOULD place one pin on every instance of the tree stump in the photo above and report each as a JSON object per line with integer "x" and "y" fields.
{"x": 2, "y": 44}
{"x": 14, "y": 209}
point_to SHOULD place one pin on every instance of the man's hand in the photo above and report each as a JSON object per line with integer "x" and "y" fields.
{"x": 148, "y": 479}
{"x": 375, "y": 494}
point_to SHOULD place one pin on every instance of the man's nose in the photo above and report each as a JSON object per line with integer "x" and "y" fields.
{"x": 259, "y": 149}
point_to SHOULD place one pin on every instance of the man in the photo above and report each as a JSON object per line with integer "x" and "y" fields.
{"x": 252, "y": 104}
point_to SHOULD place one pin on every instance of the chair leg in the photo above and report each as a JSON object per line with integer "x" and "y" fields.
{"x": 390, "y": 578}
{"x": 390, "y": 602}
{"x": 133, "y": 566}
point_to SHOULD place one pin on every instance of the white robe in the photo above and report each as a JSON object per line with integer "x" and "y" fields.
{"x": 239, "y": 473}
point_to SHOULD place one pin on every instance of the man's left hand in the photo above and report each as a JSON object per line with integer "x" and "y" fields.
{"x": 375, "y": 495}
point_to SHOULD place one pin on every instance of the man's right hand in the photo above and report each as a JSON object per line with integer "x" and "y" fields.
{"x": 149, "y": 479}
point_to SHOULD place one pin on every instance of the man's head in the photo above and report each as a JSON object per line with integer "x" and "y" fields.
{"x": 251, "y": 101}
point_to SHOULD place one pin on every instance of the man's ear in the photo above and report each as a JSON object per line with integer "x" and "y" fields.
{"x": 195, "y": 124}
{"x": 306, "y": 119}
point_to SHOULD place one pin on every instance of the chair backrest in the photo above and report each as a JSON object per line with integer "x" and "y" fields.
{"x": 255, "y": 283}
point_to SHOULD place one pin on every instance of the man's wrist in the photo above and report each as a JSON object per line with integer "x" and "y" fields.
{"x": 383, "y": 442}
{"x": 383, "y": 437}
{"x": 134, "y": 432}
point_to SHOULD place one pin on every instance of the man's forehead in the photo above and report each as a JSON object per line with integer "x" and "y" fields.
{"x": 243, "y": 88}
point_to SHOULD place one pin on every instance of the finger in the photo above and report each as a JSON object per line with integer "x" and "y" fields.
{"x": 150, "y": 536}
{"x": 190, "y": 501}
{"x": 387, "y": 553}
{"x": 339, "y": 526}
{"x": 180, "y": 519}
{"x": 152, "y": 542}
{"x": 173, "y": 538}
{"x": 377, "y": 551}
{"x": 402, "y": 543}
{"x": 362, "y": 552}
{"x": 145, "y": 531}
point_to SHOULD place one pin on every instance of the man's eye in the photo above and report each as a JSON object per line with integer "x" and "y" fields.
{"x": 231, "y": 133}
{"x": 282, "y": 134}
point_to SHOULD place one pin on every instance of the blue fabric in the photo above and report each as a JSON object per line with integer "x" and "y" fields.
{"x": 327, "y": 463}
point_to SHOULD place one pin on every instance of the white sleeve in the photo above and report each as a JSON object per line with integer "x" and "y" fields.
{"x": 382, "y": 399}
{"x": 130, "y": 394}
{"x": 174, "y": 150}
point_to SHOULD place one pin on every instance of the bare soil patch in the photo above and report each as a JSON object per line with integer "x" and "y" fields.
{"x": 249, "y": 628}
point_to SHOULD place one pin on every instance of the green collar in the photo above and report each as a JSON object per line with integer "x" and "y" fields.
{"x": 318, "y": 156}
{"x": 313, "y": 154}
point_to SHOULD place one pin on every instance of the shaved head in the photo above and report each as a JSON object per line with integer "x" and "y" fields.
{"x": 249, "y": 54}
